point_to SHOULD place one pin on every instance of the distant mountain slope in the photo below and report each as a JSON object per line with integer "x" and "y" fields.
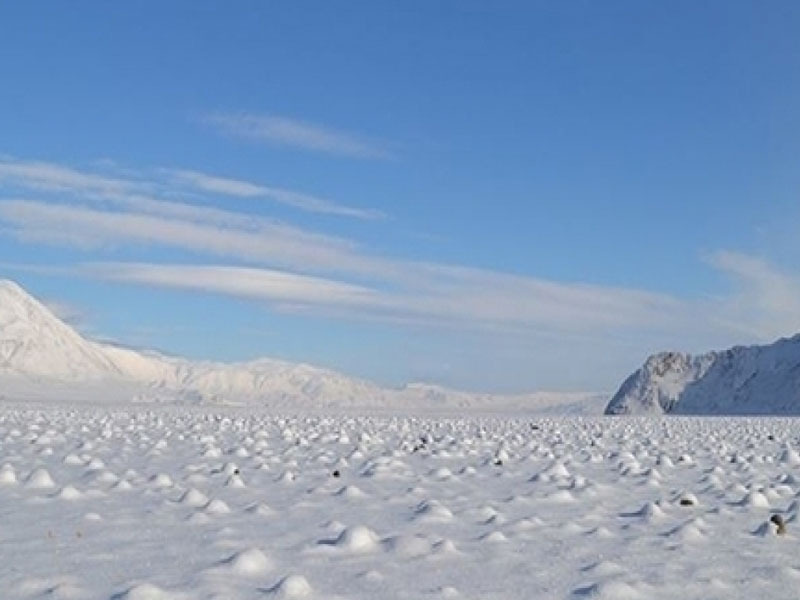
{"x": 37, "y": 351}
{"x": 745, "y": 380}
{"x": 34, "y": 342}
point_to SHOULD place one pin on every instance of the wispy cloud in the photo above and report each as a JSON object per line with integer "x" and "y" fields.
{"x": 766, "y": 300}
{"x": 297, "y": 134}
{"x": 397, "y": 290}
{"x": 255, "y": 284}
{"x": 529, "y": 306}
{"x": 54, "y": 177}
{"x": 245, "y": 189}
{"x": 287, "y": 266}
{"x": 158, "y": 190}
{"x": 401, "y": 289}
{"x": 214, "y": 234}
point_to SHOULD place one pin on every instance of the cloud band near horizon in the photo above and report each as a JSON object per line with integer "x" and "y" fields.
{"x": 283, "y": 265}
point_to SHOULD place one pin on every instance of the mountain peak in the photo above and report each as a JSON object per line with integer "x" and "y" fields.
{"x": 18, "y": 310}
{"x": 8, "y": 284}
{"x": 34, "y": 342}
{"x": 11, "y": 291}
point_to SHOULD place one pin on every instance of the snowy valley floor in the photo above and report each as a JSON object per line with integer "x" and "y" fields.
{"x": 151, "y": 504}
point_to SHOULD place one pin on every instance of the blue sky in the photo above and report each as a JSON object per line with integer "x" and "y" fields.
{"x": 533, "y": 195}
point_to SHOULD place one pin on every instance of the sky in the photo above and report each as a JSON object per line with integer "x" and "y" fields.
{"x": 489, "y": 196}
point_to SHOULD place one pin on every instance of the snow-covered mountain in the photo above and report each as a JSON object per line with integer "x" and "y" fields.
{"x": 745, "y": 380}
{"x": 40, "y": 352}
{"x": 34, "y": 342}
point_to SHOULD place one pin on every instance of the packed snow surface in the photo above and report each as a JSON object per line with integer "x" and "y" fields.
{"x": 183, "y": 503}
{"x": 745, "y": 380}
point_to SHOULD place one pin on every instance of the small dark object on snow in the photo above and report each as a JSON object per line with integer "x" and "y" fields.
{"x": 778, "y": 520}
{"x": 498, "y": 462}
{"x": 771, "y": 437}
{"x": 686, "y": 502}
{"x": 336, "y": 473}
{"x": 236, "y": 472}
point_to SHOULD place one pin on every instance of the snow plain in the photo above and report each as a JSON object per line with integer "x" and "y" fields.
{"x": 170, "y": 503}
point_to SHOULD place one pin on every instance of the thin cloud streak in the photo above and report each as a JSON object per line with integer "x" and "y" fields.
{"x": 294, "y": 133}
{"x": 197, "y": 228}
{"x": 766, "y": 301}
{"x": 510, "y": 310}
{"x": 102, "y": 211}
{"x": 242, "y": 282}
{"x": 401, "y": 289}
{"x": 245, "y": 189}
{"x": 54, "y": 177}
{"x": 140, "y": 192}
{"x": 91, "y": 228}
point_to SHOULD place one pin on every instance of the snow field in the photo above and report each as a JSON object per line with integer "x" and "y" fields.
{"x": 150, "y": 504}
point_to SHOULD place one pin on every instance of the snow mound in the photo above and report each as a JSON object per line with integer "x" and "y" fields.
{"x": 351, "y": 492}
{"x": 251, "y": 562}
{"x": 161, "y": 480}
{"x": 651, "y": 511}
{"x": 755, "y": 499}
{"x": 8, "y": 476}
{"x": 217, "y": 507}
{"x": 612, "y": 590}
{"x": 194, "y": 498}
{"x": 292, "y": 587}
{"x": 40, "y": 479}
{"x": 69, "y": 492}
{"x": 433, "y": 510}
{"x": 789, "y": 455}
{"x": 358, "y": 539}
{"x": 147, "y": 591}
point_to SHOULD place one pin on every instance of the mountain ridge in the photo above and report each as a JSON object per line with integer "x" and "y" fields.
{"x": 37, "y": 347}
{"x": 742, "y": 380}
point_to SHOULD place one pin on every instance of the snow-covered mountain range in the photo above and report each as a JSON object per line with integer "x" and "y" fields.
{"x": 745, "y": 380}
{"x": 41, "y": 355}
